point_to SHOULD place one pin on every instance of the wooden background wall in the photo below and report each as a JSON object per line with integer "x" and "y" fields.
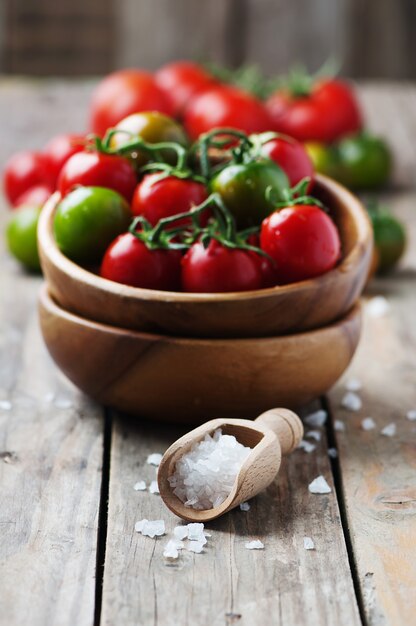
{"x": 372, "y": 38}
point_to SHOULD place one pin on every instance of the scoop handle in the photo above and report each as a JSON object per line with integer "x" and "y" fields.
{"x": 286, "y": 425}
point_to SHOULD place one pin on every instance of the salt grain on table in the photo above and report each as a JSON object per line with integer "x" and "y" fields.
{"x": 254, "y": 545}
{"x": 351, "y": 401}
{"x": 339, "y": 426}
{"x": 154, "y": 488}
{"x": 204, "y": 476}
{"x": 196, "y": 546}
{"x": 319, "y": 485}
{"x": 353, "y": 384}
{"x": 316, "y": 419}
{"x": 154, "y": 459}
{"x": 180, "y": 532}
{"x": 308, "y": 543}
{"x": 389, "y": 430}
{"x": 315, "y": 434}
{"x": 368, "y": 423}
{"x": 244, "y": 506}
{"x": 411, "y": 415}
{"x": 196, "y": 532}
{"x": 307, "y": 446}
{"x": 171, "y": 550}
{"x": 140, "y": 486}
{"x": 378, "y": 306}
{"x": 149, "y": 528}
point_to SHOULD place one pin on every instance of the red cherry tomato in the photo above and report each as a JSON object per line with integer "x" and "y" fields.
{"x": 218, "y": 269}
{"x": 129, "y": 261}
{"x": 123, "y": 93}
{"x": 155, "y": 199}
{"x": 95, "y": 169}
{"x": 303, "y": 241}
{"x": 326, "y": 114}
{"x": 292, "y": 158}
{"x": 35, "y": 196}
{"x": 60, "y": 148}
{"x": 226, "y": 106}
{"x": 181, "y": 80}
{"x": 23, "y": 171}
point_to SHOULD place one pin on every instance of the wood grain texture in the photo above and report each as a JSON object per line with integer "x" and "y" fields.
{"x": 50, "y": 441}
{"x": 227, "y": 584}
{"x": 199, "y": 377}
{"x": 379, "y": 472}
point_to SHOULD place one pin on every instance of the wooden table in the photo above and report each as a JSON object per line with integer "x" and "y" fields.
{"x": 69, "y": 555}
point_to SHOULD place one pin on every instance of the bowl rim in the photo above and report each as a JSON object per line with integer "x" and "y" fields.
{"x": 47, "y": 301}
{"x": 48, "y": 246}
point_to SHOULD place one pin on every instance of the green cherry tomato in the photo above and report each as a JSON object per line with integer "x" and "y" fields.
{"x": 87, "y": 220}
{"x": 21, "y": 235}
{"x": 389, "y": 238}
{"x": 323, "y": 157}
{"x": 365, "y": 161}
{"x": 243, "y": 187}
{"x": 153, "y": 127}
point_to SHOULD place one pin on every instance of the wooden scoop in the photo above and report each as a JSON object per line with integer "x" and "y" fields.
{"x": 272, "y": 434}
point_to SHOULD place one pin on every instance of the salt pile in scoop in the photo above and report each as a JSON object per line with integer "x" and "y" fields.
{"x": 204, "y": 476}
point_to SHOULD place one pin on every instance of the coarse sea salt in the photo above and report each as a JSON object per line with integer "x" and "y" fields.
{"x": 204, "y": 476}
{"x": 353, "y": 384}
{"x": 154, "y": 459}
{"x": 351, "y": 401}
{"x": 256, "y": 544}
{"x": 154, "y": 487}
{"x": 196, "y": 546}
{"x": 316, "y": 419}
{"x": 389, "y": 430}
{"x": 308, "y": 543}
{"x": 150, "y": 528}
{"x": 411, "y": 415}
{"x": 171, "y": 550}
{"x": 180, "y": 532}
{"x": 339, "y": 426}
{"x": 378, "y": 306}
{"x": 307, "y": 446}
{"x": 140, "y": 486}
{"x": 244, "y": 506}
{"x": 319, "y": 485}
{"x": 368, "y": 423}
{"x": 314, "y": 434}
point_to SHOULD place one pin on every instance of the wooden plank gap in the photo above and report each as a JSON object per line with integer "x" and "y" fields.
{"x": 103, "y": 516}
{"x": 339, "y": 492}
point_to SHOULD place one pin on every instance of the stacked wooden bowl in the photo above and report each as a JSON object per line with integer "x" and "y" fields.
{"x": 189, "y": 357}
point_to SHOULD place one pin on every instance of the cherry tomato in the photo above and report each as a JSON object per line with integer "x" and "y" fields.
{"x": 35, "y": 196}
{"x": 292, "y": 157}
{"x": 155, "y": 199}
{"x": 181, "y": 80}
{"x": 129, "y": 261}
{"x": 226, "y": 106}
{"x": 21, "y": 235}
{"x": 95, "y": 169}
{"x": 303, "y": 241}
{"x": 365, "y": 161}
{"x": 123, "y": 93}
{"x": 153, "y": 127}
{"x": 23, "y": 171}
{"x": 218, "y": 269}
{"x": 327, "y": 113}
{"x": 87, "y": 220}
{"x": 243, "y": 187}
{"x": 59, "y": 149}
{"x": 389, "y": 238}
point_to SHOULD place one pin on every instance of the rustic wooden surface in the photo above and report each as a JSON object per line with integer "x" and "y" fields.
{"x": 36, "y": 36}
{"x": 61, "y": 458}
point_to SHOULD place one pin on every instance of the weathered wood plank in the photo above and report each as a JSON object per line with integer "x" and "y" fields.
{"x": 293, "y": 585}
{"x": 379, "y": 472}
{"x": 50, "y": 438}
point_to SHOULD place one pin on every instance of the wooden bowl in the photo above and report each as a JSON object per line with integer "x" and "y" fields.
{"x": 278, "y": 310}
{"x": 191, "y": 380}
